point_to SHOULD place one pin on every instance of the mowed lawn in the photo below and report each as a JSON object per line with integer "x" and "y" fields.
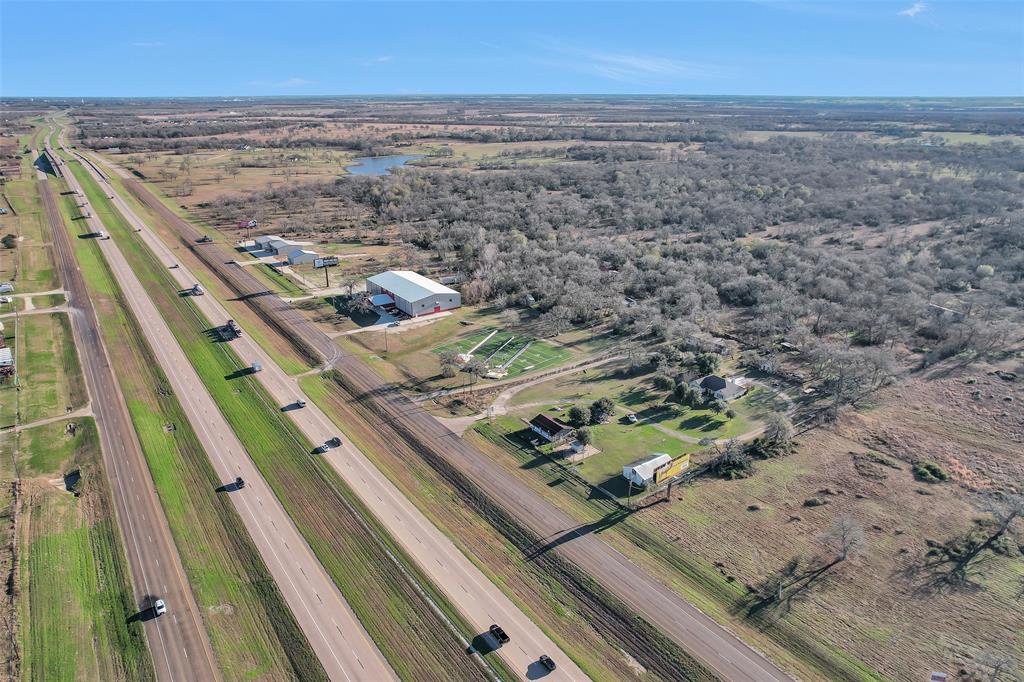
{"x": 48, "y": 368}
{"x": 501, "y": 347}
{"x": 76, "y": 602}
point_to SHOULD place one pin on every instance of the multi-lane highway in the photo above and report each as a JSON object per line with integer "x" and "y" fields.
{"x": 698, "y": 634}
{"x": 332, "y": 629}
{"x": 477, "y": 598}
{"x": 177, "y": 640}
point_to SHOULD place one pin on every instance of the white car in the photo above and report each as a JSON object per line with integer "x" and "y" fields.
{"x": 160, "y": 607}
{"x": 631, "y": 418}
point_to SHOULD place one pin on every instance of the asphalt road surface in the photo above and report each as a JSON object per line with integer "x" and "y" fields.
{"x": 177, "y": 640}
{"x": 338, "y": 639}
{"x": 476, "y": 597}
{"x": 699, "y": 635}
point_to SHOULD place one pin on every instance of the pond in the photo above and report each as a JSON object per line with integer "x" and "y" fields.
{"x": 381, "y": 165}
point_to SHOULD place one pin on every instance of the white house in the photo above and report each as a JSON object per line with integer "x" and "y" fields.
{"x": 413, "y": 293}
{"x": 6, "y": 358}
{"x": 298, "y": 256}
{"x": 641, "y": 472}
{"x": 718, "y": 388}
{"x": 550, "y": 429}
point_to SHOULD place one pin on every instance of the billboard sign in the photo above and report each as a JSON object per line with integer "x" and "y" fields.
{"x": 325, "y": 262}
{"x": 670, "y": 469}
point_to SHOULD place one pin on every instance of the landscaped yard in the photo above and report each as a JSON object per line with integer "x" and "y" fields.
{"x": 662, "y": 425}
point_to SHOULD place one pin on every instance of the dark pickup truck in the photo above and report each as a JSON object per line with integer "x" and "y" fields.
{"x": 499, "y": 634}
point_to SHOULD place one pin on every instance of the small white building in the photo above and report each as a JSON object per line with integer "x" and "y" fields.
{"x": 6, "y": 358}
{"x": 413, "y": 293}
{"x": 299, "y": 256}
{"x": 6, "y": 288}
{"x": 641, "y": 472}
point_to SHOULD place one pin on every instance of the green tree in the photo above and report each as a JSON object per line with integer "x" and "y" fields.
{"x": 579, "y": 416}
{"x": 600, "y": 409}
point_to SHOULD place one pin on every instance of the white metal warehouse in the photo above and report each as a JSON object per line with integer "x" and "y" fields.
{"x": 413, "y": 293}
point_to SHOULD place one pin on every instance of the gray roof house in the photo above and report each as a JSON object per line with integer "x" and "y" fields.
{"x": 719, "y": 388}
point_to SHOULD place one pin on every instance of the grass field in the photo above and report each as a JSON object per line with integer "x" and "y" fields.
{"x": 251, "y": 627}
{"x": 75, "y": 598}
{"x": 49, "y": 372}
{"x": 503, "y": 346}
{"x": 30, "y": 264}
{"x": 348, "y": 541}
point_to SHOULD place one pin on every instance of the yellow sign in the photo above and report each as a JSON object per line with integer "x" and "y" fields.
{"x": 670, "y": 469}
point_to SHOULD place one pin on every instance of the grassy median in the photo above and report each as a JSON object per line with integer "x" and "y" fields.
{"x": 250, "y": 626}
{"x": 387, "y": 592}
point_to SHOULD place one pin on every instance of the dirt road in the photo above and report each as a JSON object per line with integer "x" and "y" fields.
{"x": 695, "y": 632}
{"x": 332, "y": 629}
{"x": 476, "y": 597}
{"x": 177, "y": 640}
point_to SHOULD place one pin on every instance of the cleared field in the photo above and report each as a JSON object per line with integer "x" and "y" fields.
{"x": 516, "y": 354}
{"x": 76, "y": 604}
{"x": 29, "y": 265}
{"x": 49, "y": 372}
{"x": 354, "y": 549}
{"x": 251, "y": 628}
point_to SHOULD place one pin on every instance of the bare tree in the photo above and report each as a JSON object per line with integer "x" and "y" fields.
{"x": 964, "y": 558}
{"x": 777, "y": 593}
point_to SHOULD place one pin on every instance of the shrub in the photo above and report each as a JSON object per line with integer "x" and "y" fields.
{"x": 9, "y": 241}
{"x": 929, "y": 472}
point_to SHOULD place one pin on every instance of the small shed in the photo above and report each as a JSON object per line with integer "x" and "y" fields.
{"x": 641, "y": 472}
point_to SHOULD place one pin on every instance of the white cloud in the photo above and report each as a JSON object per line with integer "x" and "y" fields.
{"x": 293, "y": 82}
{"x": 913, "y": 10}
{"x": 375, "y": 61}
{"x": 148, "y": 43}
{"x": 636, "y": 68}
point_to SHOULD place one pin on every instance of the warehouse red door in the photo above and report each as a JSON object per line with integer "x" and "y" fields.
{"x": 437, "y": 308}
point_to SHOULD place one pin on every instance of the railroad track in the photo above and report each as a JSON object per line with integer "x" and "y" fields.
{"x": 695, "y": 632}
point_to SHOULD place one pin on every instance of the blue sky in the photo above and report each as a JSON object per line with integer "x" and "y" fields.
{"x": 912, "y": 48}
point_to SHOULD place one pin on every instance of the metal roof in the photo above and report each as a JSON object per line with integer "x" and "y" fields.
{"x": 409, "y": 285}
{"x": 645, "y": 468}
{"x": 6, "y": 359}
